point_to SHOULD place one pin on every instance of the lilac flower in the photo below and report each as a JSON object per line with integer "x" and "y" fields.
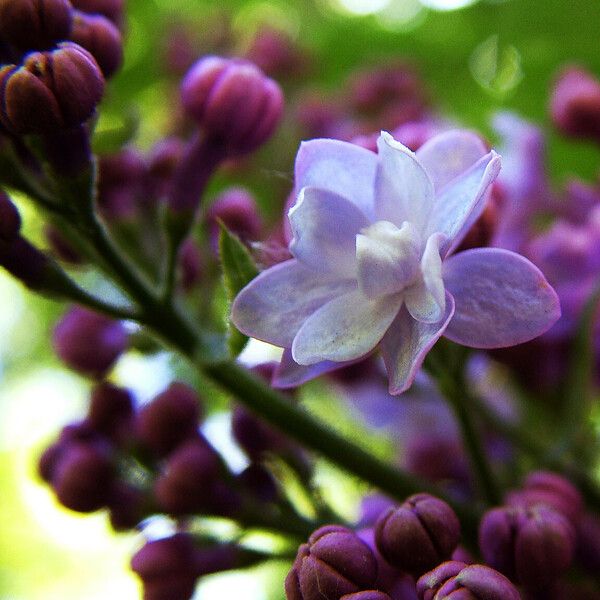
{"x": 373, "y": 237}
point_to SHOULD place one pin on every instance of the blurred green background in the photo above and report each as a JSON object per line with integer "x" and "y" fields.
{"x": 476, "y": 58}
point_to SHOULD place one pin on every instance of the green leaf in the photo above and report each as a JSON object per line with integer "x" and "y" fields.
{"x": 238, "y": 270}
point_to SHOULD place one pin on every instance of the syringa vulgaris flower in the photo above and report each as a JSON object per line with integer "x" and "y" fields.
{"x": 372, "y": 265}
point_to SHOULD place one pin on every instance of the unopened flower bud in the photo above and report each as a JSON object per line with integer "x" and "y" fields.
{"x": 258, "y": 481}
{"x": 232, "y": 101}
{"x": 167, "y": 568}
{"x": 111, "y": 411}
{"x": 456, "y": 580}
{"x": 575, "y": 104}
{"x": 419, "y": 534}
{"x": 82, "y": 478}
{"x": 34, "y": 24}
{"x": 101, "y": 38}
{"x": 238, "y": 211}
{"x": 191, "y": 265}
{"x": 335, "y": 562}
{"x": 126, "y": 506}
{"x": 162, "y": 162}
{"x": 169, "y": 419}
{"x": 10, "y": 219}
{"x": 192, "y": 481}
{"x": 532, "y": 546}
{"x": 61, "y": 247}
{"x": 588, "y": 542}
{"x": 28, "y": 264}
{"x": 111, "y": 9}
{"x": 51, "y": 91}
{"x": 89, "y": 342}
{"x": 368, "y": 595}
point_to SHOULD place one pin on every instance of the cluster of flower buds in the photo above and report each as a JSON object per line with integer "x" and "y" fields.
{"x": 394, "y": 560}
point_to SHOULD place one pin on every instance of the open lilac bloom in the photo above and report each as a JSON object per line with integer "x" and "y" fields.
{"x": 372, "y": 241}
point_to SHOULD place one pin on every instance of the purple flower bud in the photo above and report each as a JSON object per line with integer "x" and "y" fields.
{"x": 588, "y": 542}
{"x": 10, "y": 219}
{"x": 170, "y": 419}
{"x": 575, "y": 104}
{"x": 368, "y": 595}
{"x": 34, "y": 24}
{"x": 26, "y": 263}
{"x": 162, "y": 163}
{"x": 111, "y": 9}
{"x": 233, "y": 101}
{"x": 191, "y": 265}
{"x": 126, "y": 506}
{"x": 52, "y": 91}
{"x": 335, "y": 562}
{"x": 101, "y": 38}
{"x": 456, "y": 581}
{"x": 61, "y": 247}
{"x": 532, "y": 546}
{"x": 419, "y": 534}
{"x": 237, "y": 209}
{"x": 82, "y": 478}
{"x": 111, "y": 411}
{"x": 167, "y": 568}
{"x": 258, "y": 481}
{"x": 89, "y": 342}
{"x": 192, "y": 482}
{"x": 556, "y": 491}
{"x": 371, "y": 508}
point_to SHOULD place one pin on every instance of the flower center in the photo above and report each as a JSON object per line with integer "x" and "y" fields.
{"x": 388, "y": 258}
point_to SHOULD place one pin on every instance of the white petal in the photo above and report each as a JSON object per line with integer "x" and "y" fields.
{"x": 406, "y": 344}
{"x": 340, "y": 167}
{"x": 403, "y": 190}
{"x": 426, "y": 299}
{"x": 324, "y": 226}
{"x": 273, "y": 306}
{"x": 290, "y": 374}
{"x": 387, "y": 257}
{"x": 346, "y": 328}
{"x": 450, "y": 154}
{"x": 461, "y": 202}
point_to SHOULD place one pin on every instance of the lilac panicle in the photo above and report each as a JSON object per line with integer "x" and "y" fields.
{"x": 373, "y": 236}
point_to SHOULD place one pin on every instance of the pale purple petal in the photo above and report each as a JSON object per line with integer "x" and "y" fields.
{"x": 345, "y": 328}
{"x": 406, "y": 344}
{"x": 324, "y": 226}
{"x": 426, "y": 300}
{"x": 339, "y": 167}
{"x": 273, "y": 306}
{"x": 502, "y": 299}
{"x": 290, "y": 374}
{"x": 403, "y": 190}
{"x": 449, "y": 154}
{"x": 462, "y": 201}
{"x": 387, "y": 258}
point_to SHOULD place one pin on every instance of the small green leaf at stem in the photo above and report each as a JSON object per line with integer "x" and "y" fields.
{"x": 238, "y": 270}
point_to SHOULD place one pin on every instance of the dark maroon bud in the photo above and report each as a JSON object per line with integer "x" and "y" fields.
{"x": 111, "y": 9}
{"x": 126, "y": 506}
{"x": 335, "y": 562}
{"x": 101, "y": 38}
{"x": 34, "y": 24}
{"x": 61, "y": 247}
{"x": 232, "y": 101}
{"x": 273, "y": 51}
{"x": 189, "y": 479}
{"x": 387, "y": 576}
{"x": 217, "y": 558}
{"x": 162, "y": 163}
{"x": 52, "y": 91}
{"x": 191, "y": 265}
{"x": 83, "y": 477}
{"x": 531, "y": 546}
{"x": 458, "y": 581}
{"x": 167, "y": 568}
{"x": 575, "y": 104}
{"x": 10, "y": 219}
{"x": 169, "y": 419}
{"x": 368, "y": 595}
{"x": 259, "y": 482}
{"x": 419, "y": 534}
{"x": 26, "y": 263}
{"x": 238, "y": 211}
{"x": 89, "y": 342}
{"x": 111, "y": 411}
{"x": 121, "y": 179}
